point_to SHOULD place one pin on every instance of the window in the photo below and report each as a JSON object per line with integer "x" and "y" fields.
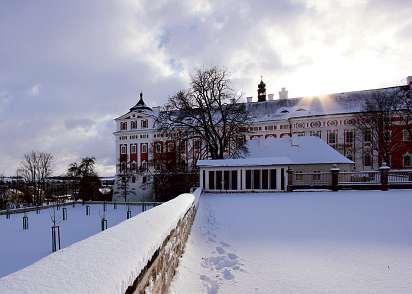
{"x": 265, "y": 179}
{"x": 171, "y": 146}
{"x": 407, "y": 160}
{"x": 282, "y": 179}
{"x": 123, "y": 149}
{"x": 349, "y": 156}
{"x": 332, "y": 137}
{"x": 158, "y": 147}
{"x": 133, "y": 124}
{"x": 299, "y": 176}
{"x": 406, "y": 135}
{"x": 234, "y": 179}
{"x": 256, "y": 179}
{"x": 299, "y": 134}
{"x": 211, "y": 180}
{"x": 144, "y": 124}
{"x": 133, "y": 148}
{"x": 143, "y": 147}
{"x": 144, "y": 165}
{"x": 219, "y": 180}
{"x": 123, "y": 126}
{"x": 273, "y": 179}
{"x": 367, "y": 159}
{"x": 226, "y": 180}
{"x": 248, "y": 179}
{"x": 367, "y": 136}
{"x": 316, "y": 134}
{"x": 349, "y": 135}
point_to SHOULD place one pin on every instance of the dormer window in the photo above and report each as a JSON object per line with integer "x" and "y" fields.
{"x": 284, "y": 111}
{"x": 301, "y": 109}
{"x": 123, "y": 126}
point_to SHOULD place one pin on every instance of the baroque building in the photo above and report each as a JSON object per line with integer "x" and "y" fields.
{"x": 333, "y": 118}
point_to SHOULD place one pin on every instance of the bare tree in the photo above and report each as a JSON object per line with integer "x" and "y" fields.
{"x": 209, "y": 111}
{"x": 405, "y": 114}
{"x": 127, "y": 172}
{"x": 382, "y": 118}
{"x": 35, "y": 168}
{"x": 3, "y": 189}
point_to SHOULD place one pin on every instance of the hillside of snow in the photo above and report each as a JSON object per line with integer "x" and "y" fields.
{"x": 301, "y": 242}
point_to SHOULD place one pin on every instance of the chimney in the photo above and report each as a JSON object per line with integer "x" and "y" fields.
{"x": 270, "y": 96}
{"x": 409, "y": 80}
{"x": 283, "y": 94}
{"x": 249, "y": 99}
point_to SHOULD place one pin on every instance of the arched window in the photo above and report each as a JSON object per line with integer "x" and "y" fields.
{"x": 407, "y": 160}
{"x": 144, "y": 165}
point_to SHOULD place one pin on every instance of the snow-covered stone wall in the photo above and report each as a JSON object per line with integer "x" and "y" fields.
{"x": 140, "y": 253}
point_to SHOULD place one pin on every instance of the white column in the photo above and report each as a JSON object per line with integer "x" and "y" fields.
{"x": 278, "y": 177}
{"x": 239, "y": 179}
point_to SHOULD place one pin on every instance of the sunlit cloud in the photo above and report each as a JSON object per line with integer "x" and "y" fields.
{"x": 75, "y": 66}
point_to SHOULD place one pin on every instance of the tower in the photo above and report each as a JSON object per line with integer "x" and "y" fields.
{"x": 261, "y": 91}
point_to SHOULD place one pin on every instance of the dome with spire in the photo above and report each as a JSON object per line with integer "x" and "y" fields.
{"x": 140, "y": 105}
{"x": 261, "y": 90}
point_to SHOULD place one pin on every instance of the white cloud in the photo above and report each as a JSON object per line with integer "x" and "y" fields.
{"x": 97, "y": 58}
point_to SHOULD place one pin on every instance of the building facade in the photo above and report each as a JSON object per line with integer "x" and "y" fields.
{"x": 333, "y": 118}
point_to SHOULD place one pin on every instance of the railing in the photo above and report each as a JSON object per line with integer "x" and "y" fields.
{"x": 312, "y": 179}
{"x": 145, "y": 205}
{"x": 400, "y": 177}
{"x": 360, "y": 178}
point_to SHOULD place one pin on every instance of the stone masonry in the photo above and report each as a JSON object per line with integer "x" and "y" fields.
{"x": 158, "y": 273}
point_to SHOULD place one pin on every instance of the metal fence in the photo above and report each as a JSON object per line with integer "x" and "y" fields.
{"x": 400, "y": 177}
{"x": 360, "y": 178}
{"x": 146, "y": 205}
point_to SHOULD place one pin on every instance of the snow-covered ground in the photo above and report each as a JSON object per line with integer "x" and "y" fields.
{"x": 20, "y": 248}
{"x": 302, "y": 242}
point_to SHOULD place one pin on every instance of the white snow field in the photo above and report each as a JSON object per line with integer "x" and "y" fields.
{"x": 301, "y": 242}
{"x": 20, "y": 248}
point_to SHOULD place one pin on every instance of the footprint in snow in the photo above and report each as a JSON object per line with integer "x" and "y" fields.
{"x": 227, "y": 275}
{"x": 224, "y": 244}
{"x": 220, "y": 250}
{"x": 211, "y": 286}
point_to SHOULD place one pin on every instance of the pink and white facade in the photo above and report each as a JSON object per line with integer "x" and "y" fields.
{"x": 330, "y": 117}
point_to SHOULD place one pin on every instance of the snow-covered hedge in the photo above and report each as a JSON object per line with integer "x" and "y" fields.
{"x": 107, "y": 262}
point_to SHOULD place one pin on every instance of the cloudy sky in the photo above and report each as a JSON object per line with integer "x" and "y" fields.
{"x": 67, "y": 68}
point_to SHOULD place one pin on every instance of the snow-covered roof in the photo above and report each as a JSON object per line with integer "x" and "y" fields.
{"x": 283, "y": 151}
{"x": 337, "y": 103}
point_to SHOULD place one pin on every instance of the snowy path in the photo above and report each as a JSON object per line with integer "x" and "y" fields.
{"x": 324, "y": 242}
